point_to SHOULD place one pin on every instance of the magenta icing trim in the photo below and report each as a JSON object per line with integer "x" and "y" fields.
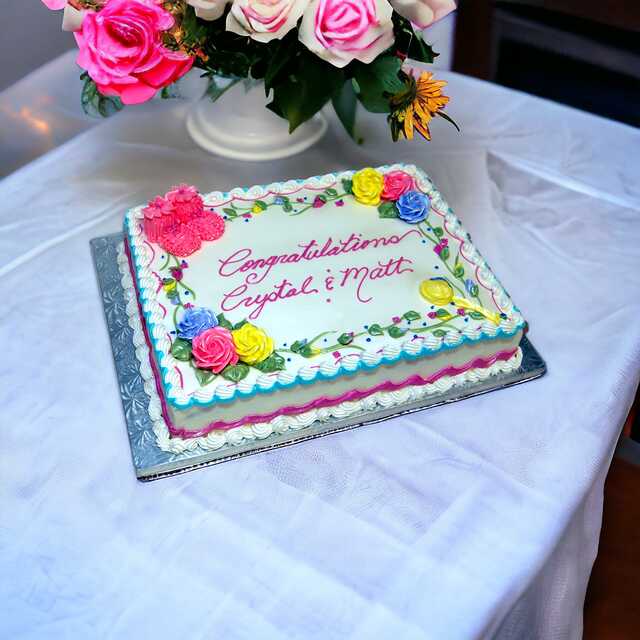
{"x": 323, "y": 401}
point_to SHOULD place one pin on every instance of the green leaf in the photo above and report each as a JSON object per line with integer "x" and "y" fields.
{"x": 237, "y": 325}
{"x": 375, "y": 330}
{"x": 377, "y": 82}
{"x": 300, "y": 95}
{"x": 94, "y": 103}
{"x": 388, "y": 210}
{"x": 204, "y": 376}
{"x": 474, "y": 290}
{"x": 298, "y": 346}
{"x": 439, "y": 333}
{"x": 410, "y": 42}
{"x": 235, "y": 372}
{"x": 275, "y": 362}
{"x": 396, "y": 332}
{"x": 181, "y": 350}
{"x": 218, "y": 86}
{"x": 282, "y": 57}
{"x": 287, "y": 206}
{"x": 443, "y": 313}
{"x": 331, "y": 192}
{"x": 223, "y": 322}
{"x": 346, "y": 338}
{"x": 438, "y": 231}
{"x": 450, "y": 120}
{"x": 411, "y": 315}
{"x": 458, "y": 271}
{"x": 476, "y": 315}
{"x": 345, "y": 104}
{"x": 261, "y": 204}
{"x": 347, "y": 185}
{"x": 445, "y": 253}
{"x": 231, "y": 213}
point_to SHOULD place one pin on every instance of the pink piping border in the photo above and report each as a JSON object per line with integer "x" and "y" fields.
{"x": 355, "y": 394}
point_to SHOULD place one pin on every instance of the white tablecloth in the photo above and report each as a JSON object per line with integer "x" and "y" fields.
{"x": 474, "y": 520}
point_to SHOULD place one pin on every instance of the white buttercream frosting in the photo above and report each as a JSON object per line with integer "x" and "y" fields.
{"x": 282, "y": 423}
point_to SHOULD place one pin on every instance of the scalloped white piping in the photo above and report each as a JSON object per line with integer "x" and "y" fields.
{"x": 168, "y": 364}
{"x": 283, "y": 423}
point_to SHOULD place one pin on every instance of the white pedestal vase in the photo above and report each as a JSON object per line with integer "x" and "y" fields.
{"x": 239, "y": 126}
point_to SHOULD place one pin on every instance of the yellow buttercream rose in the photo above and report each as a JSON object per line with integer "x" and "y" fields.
{"x": 253, "y": 345}
{"x": 436, "y": 291}
{"x": 367, "y": 186}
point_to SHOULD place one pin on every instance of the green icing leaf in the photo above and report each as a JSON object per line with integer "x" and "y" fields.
{"x": 181, "y": 350}
{"x": 438, "y": 231}
{"x": 375, "y": 330}
{"x": 396, "y": 332}
{"x": 230, "y": 213}
{"x": 235, "y": 372}
{"x": 237, "y": 325}
{"x": 458, "y": 271}
{"x": 223, "y": 322}
{"x": 445, "y": 253}
{"x": 298, "y": 346}
{"x": 287, "y": 206}
{"x": 388, "y": 210}
{"x": 260, "y": 204}
{"x": 331, "y": 192}
{"x": 347, "y": 185}
{"x": 204, "y": 376}
{"x": 346, "y": 338}
{"x": 439, "y": 333}
{"x": 275, "y": 362}
{"x": 411, "y": 315}
{"x": 474, "y": 290}
{"x": 443, "y": 313}
{"x": 476, "y": 315}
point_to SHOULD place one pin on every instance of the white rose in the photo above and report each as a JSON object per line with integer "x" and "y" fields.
{"x": 340, "y": 31}
{"x": 423, "y": 12}
{"x": 264, "y": 20}
{"x": 208, "y": 9}
{"x": 72, "y": 18}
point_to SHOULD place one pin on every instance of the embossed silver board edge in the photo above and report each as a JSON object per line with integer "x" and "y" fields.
{"x": 151, "y": 462}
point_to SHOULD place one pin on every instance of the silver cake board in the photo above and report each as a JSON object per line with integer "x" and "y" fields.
{"x": 151, "y": 462}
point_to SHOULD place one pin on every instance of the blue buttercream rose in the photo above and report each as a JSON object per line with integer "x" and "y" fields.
{"x": 413, "y": 207}
{"x": 195, "y": 321}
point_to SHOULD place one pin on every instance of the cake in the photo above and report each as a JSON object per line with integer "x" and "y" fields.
{"x": 275, "y": 307}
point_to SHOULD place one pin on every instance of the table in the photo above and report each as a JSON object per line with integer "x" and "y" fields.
{"x": 475, "y": 520}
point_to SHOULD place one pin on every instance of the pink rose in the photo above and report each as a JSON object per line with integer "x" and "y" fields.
{"x": 186, "y": 202}
{"x": 121, "y": 48}
{"x": 214, "y": 349}
{"x": 423, "y": 12}
{"x": 264, "y": 20}
{"x": 157, "y": 216}
{"x": 340, "y": 31}
{"x": 396, "y": 183}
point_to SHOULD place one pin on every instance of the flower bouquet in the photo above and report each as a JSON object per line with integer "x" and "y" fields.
{"x": 306, "y": 52}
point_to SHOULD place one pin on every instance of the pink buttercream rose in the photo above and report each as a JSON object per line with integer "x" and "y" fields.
{"x": 121, "y": 48}
{"x": 340, "y": 31}
{"x": 157, "y": 217}
{"x": 423, "y": 12}
{"x": 264, "y": 20}
{"x": 214, "y": 349}
{"x": 396, "y": 183}
{"x": 179, "y": 223}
